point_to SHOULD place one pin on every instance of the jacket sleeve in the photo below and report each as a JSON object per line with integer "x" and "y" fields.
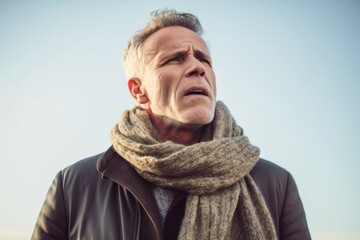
{"x": 293, "y": 225}
{"x": 52, "y": 220}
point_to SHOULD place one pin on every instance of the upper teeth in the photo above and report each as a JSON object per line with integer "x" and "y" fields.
{"x": 197, "y": 91}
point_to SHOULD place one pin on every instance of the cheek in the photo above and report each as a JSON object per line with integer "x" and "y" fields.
{"x": 212, "y": 80}
{"x": 215, "y": 91}
{"x": 168, "y": 82}
{"x": 161, "y": 87}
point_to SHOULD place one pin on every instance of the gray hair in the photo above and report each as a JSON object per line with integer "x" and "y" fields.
{"x": 159, "y": 19}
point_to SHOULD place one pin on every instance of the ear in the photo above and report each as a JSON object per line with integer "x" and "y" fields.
{"x": 137, "y": 90}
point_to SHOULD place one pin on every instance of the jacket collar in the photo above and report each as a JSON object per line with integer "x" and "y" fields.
{"x": 114, "y": 167}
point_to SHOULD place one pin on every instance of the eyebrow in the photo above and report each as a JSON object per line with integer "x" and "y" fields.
{"x": 201, "y": 54}
{"x": 179, "y": 53}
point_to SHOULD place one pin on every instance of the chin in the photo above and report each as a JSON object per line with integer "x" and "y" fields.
{"x": 198, "y": 117}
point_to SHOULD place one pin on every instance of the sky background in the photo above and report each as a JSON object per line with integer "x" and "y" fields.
{"x": 289, "y": 72}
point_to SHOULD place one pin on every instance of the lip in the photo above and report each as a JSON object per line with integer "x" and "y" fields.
{"x": 204, "y": 90}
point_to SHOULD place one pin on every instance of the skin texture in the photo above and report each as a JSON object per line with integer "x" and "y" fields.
{"x": 177, "y": 87}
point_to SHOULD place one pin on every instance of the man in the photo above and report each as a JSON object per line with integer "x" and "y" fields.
{"x": 179, "y": 166}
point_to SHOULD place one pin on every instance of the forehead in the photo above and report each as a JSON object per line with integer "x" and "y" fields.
{"x": 171, "y": 39}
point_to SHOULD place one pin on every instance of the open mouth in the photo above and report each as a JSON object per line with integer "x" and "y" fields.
{"x": 196, "y": 91}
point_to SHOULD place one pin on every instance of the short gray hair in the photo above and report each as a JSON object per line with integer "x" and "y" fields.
{"x": 159, "y": 19}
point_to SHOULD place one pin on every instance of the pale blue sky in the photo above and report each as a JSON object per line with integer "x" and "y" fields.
{"x": 288, "y": 70}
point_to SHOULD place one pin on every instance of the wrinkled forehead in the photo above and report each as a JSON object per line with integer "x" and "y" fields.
{"x": 171, "y": 39}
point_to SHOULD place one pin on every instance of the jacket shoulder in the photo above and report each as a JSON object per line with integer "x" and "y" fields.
{"x": 81, "y": 178}
{"x": 271, "y": 180}
{"x": 281, "y": 195}
{"x": 61, "y": 205}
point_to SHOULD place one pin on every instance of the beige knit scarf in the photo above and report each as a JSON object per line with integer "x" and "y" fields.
{"x": 224, "y": 201}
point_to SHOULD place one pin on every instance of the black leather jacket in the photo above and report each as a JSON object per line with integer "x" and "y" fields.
{"x": 114, "y": 202}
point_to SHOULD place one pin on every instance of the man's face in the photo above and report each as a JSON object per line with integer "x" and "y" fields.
{"x": 178, "y": 78}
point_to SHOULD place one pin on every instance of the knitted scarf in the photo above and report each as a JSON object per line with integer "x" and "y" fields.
{"x": 224, "y": 201}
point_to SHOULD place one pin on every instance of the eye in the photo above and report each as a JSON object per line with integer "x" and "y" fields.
{"x": 177, "y": 59}
{"x": 204, "y": 60}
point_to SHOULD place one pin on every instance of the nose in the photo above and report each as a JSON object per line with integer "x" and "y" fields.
{"x": 196, "y": 68}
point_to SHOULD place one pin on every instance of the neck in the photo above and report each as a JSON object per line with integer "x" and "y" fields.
{"x": 185, "y": 134}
